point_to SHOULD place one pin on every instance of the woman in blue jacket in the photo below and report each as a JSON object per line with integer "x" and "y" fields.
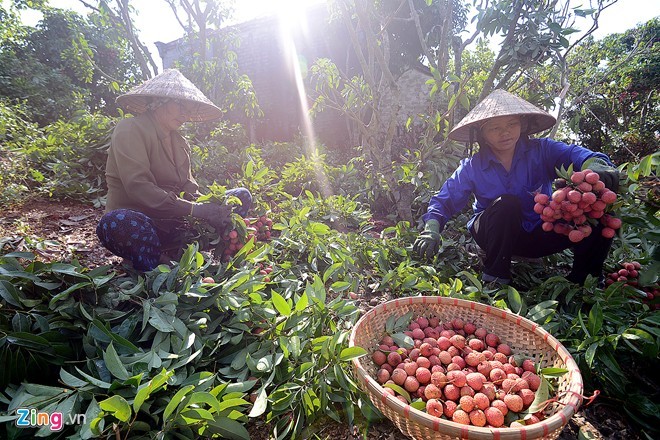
{"x": 506, "y": 173}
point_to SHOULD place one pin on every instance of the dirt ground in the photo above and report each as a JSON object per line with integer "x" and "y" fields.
{"x": 64, "y": 231}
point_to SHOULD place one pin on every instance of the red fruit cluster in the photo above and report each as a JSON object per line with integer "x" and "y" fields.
{"x": 265, "y": 270}
{"x": 462, "y": 372}
{"x": 628, "y": 272}
{"x": 257, "y": 228}
{"x": 574, "y": 203}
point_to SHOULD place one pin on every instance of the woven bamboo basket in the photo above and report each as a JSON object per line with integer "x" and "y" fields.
{"x": 523, "y": 336}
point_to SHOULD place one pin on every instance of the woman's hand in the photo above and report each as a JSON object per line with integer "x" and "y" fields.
{"x": 608, "y": 174}
{"x": 427, "y": 243}
{"x": 216, "y": 214}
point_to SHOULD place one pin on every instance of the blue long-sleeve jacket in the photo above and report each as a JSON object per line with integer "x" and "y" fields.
{"x": 532, "y": 171}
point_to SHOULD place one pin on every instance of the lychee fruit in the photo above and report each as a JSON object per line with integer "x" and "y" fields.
{"x": 452, "y": 392}
{"x": 514, "y": 402}
{"x": 439, "y": 379}
{"x": 432, "y": 392}
{"x": 481, "y": 401}
{"x": 394, "y": 358}
{"x": 411, "y": 384}
{"x": 399, "y": 376}
{"x": 423, "y": 375}
{"x": 457, "y": 378}
{"x": 467, "y": 403}
{"x": 494, "y": 417}
{"x": 477, "y": 417}
{"x": 450, "y": 408}
{"x": 434, "y": 407}
{"x": 475, "y": 380}
{"x": 461, "y": 417}
{"x": 492, "y": 340}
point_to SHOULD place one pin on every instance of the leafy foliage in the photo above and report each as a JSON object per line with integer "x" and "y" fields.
{"x": 64, "y": 159}
{"x": 166, "y": 355}
{"x": 64, "y": 64}
{"x": 615, "y": 104}
{"x": 164, "y": 352}
{"x": 145, "y": 346}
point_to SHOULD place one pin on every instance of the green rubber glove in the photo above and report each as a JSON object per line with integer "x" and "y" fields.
{"x": 608, "y": 174}
{"x": 428, "y": 242}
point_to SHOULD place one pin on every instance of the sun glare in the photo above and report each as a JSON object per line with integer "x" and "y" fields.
{"x": 291, "y": 12}
{"x": 291, "y": 15}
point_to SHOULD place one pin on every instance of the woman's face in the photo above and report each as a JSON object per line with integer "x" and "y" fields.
{"x": 502, "y": 133}
{"x": 173, "y": 114}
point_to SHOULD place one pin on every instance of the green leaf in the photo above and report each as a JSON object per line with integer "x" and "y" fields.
{"x": 161, "y": 321}
{"x": 389, "y": 324}
{"x": 340, "y": 286}
{"x": 419, "y": 405}
{"x": 120, "y": 341}
{"x": 590, "y": 353}
{"x": 292, "y": 344}
{"x": 330, "y": 271}
{"x": 9, "y": 293}
{"x": 231, "y": 403}
{"x": 44, "y": 390}
{"x": 302, "y": 303}
{"x": 280, "y": 304}
{"x": 260, "y": 404}
{"x": 515, "y": 300}
{"x": 67, "y": 269}
{"x": 153, "y": 385}
{"x": 91, "y": 414}
{"x": 350, "y": 353}
{"x": 399, "y": 390}
{"x": 118, "y": 407}
{"x": 228, "y": 428}
{"x": 114, "y": 364}
{"x": 637, "y": 334}
{"x": 465, "y": 102}
{"x": 25, "y": 255}
{"x": 65, "y": 294}
{"x": 403, "y": 340}
{"x": 208, "y": 398}
{"x": 595, "y": 320}
{"x": 93, "y": 380}
{"x": 71, "y": 380}
{"x": 542, "y": 394}
{"x": 264, "y": 363}
{"x": 175, "y": 401}
{"x": 29, "y": 340}
{"x": 553, "y": 372}
{"x": 402, "y": 322}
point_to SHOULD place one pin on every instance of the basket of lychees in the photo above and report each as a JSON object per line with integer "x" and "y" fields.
{"x": 447, "y": 368}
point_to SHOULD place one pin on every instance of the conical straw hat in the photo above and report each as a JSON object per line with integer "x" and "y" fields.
{"x": 173, "y": 85}
{"x": 502, "y": 103}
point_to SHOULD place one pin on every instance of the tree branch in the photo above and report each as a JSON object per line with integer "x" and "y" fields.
{"x": 420, "y": 35}
{"x": 488, "y": 84}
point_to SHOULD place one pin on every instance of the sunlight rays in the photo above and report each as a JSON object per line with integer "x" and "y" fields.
{"x": 292, "y": 21}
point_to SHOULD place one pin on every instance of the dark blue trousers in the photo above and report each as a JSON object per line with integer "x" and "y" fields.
{"x": 134, "y": 236}
{"x": 498, "y": 231}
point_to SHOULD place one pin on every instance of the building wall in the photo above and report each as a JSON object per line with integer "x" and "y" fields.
{"x": 264, "y": 56}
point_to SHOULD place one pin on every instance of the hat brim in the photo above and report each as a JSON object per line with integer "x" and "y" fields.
{"x": 502, "y": 103}
{"x": 170, "y": 84}
{"x": 139, "y": 103}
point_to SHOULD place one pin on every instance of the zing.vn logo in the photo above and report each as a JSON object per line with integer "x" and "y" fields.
{"x": 30, "y": 418}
